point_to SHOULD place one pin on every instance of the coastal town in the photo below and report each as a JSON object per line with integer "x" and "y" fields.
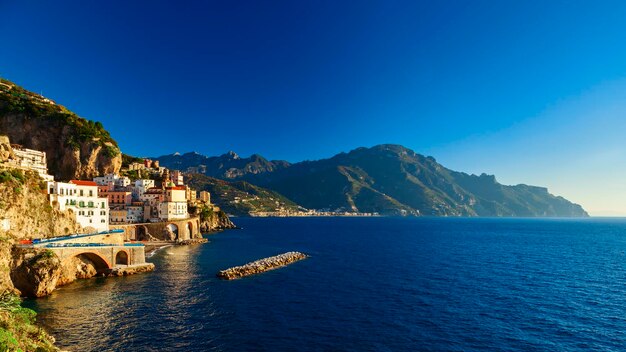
{"x": 113, "y": 200}
{"x": 112, "y": 220}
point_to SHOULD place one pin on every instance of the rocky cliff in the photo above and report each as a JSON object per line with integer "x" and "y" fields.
{"x": 75, "y": 147}
{"x": 26, "y": 213}
{"x": 25, "y": 209}
{"x": 215, "y": 221}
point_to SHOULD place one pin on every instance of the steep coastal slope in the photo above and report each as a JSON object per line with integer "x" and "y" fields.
{"x": 75, "y": 147}
{"x": 240, "y": 197}
{"x": 393, "y": 180}
{"x": 28, "y": 214}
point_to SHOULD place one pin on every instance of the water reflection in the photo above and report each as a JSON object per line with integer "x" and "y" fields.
{"x": 118, "y": 313}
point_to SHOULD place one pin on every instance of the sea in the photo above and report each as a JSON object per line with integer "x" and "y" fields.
{"x": 371, "y": 284}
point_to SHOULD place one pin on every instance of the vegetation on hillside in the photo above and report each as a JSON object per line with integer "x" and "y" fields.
{"x": 240, "y": 198}
{"x": 391, "y": 179}
{"x": 129, "y": 159}
{"x": 18, "y": 331}
{"x": 386, "y": 179}
{"x": 14, "y": 99}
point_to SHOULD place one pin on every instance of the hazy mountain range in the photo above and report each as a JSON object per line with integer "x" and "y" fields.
{"x": 388, "y": 179}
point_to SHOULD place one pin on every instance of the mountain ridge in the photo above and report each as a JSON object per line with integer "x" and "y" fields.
{"x": 389, "y": 179}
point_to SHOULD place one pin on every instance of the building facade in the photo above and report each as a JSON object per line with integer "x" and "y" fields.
{"x": 205, "y": 197}
{"x": 81, "y": 197}
{"x": 32, "y": 160}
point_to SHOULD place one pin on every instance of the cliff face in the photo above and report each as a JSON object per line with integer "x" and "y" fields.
{"x": 216, "y": 221}
{"x": 75, "y": 147}
{"x": 24, "y": 205}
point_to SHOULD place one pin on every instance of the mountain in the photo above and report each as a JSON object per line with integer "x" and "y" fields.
{"x": 75, "y": 147}
{"x": 227, "y": 166}
{"x": 393, "y": 180}
{"x": 240, "y": 197}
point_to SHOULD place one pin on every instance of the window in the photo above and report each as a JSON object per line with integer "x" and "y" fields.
{"x": 90, "y": 193}
{"x": 81, "y": 192}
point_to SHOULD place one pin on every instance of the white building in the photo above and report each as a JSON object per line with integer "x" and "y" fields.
{"x": 174, "y": 205}
{"x": 112, "y": 181}
{"x": 81, "y": 197}
{"x": 134, "y": 213}
{"x": 173, "y": 211}
{"x": 140, "y": 187}
{"x": 32, "y": 160}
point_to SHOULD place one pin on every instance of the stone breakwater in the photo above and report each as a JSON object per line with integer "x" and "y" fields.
{"x": 192, "y": 241}
{"x": 261, "y": 265}
{"x": 131, "y": 269}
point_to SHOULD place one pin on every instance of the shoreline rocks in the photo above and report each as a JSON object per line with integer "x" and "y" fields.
{"x": 192, "y": 241}
{"x": 131, "y": 269}
{"x": 261, "y": 265}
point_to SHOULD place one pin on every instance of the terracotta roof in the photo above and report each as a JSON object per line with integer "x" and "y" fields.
{"x": 178, "y": 188}
{"x": 83, "y": 183}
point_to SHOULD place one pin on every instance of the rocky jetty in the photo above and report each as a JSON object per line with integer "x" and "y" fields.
{"x": 131, "y": 269}
{"x": 192, "y": 241}
{"x": 261, "y": 265}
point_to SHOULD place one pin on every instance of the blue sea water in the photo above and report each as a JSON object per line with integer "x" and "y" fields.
{"x": 371, "y": 284}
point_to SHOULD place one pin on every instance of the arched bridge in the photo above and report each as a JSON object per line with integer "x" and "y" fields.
{"x": 105, "y": 250}
{"x": 104, "y": 257}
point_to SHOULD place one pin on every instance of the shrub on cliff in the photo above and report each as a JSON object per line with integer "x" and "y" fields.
{"x": 18, "y": 331}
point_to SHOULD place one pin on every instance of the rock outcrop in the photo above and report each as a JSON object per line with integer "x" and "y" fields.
{"x": 76, "y": 268}
{"x": 261, "y": 265}
{"x": 6, "y": 152}
{"x": 132, "y": 269}
{"x": 35, "y": 273}
{"x": 75, "y": 147}
{"x": 27, "y": 212}
{"x": 192, "y": 241}
{"x": 216, "y": 221}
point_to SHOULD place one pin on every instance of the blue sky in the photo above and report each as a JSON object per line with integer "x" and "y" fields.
{"x": 530, "y": 91}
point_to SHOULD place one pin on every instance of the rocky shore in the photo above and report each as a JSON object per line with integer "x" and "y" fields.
{"x": 192, "y": 241}
{"x": 131, "y": 269}
{"x": 261, "y": 265}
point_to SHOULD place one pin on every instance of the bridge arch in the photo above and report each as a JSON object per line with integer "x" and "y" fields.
{"x": 122, "y": 258}
{"x": 100, "y": 263}
{"x": 141, "y": 233}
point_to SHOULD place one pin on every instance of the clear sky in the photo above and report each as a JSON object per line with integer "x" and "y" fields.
{"x": 531, "y": 91}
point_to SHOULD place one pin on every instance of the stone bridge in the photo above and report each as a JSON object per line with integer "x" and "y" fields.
{"x": 175, "y": 230}
{"x": 105, "y": 250}
{"x": 104, "y": 257}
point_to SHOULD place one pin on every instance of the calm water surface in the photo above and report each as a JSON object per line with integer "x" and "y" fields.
{"x": 372, "y": 284}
